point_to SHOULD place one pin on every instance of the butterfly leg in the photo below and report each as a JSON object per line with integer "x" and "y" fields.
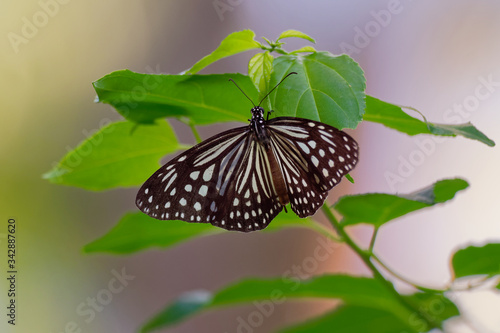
{"x": 268, "y": 113}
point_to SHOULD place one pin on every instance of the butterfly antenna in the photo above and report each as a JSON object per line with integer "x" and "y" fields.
{"x": 242, "y": 91}
{"x": 276, "y": 86}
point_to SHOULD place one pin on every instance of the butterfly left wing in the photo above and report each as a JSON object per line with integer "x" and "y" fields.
{"x": 313, "y": 157}
{"x": 186, "y": 187}
{"x": 225, "y": 181}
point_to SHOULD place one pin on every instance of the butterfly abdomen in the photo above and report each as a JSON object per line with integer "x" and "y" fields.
{"x": 277, "y": 177}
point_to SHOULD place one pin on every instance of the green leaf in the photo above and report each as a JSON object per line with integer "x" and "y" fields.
{"x": 436, "y": 306}
{"x": 484, "y": 260}
{"x": 120, "y": 154}
{"x": 304, "y": 50}
{"x": 354, "y": 290}
{"x": 260, "y": 68}
{"x": 362, "y": 319}
{"x": 379, "y": 208}
{"x": 234, "y": 43}
{"x": 358, "y": 291}
{"x": 295, "y": 33}
{"x": 187, "y": 304}
{"x": 394, "y": 117}
{"x": 354, "y": 319}
{"x": 327, "y": 88}
{"x": 137, "y": 231}
{"x": 204, "y": 99}
{"x": 466, "y": 130}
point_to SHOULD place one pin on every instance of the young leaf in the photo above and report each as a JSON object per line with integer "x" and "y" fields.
{"x": 304, "y": 49}
{"x": 204, "y": 99}
{"x": 120, "y": 154}
{"x": 477, "y": 260}
{"x": 235, "y": 43}
{"x": 394, "y": 117}
{"x": 379, "y": 208}
{"x": 327, "y": 88}
{"x": 137, "y": 231}
{"x": 260, "y": 68}
{"x": 295, "y": 33}
{"x": 358, "y": 291}
{"x": 354, "y": 319}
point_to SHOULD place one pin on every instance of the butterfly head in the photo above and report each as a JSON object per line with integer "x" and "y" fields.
{"x": 257, "y": 111}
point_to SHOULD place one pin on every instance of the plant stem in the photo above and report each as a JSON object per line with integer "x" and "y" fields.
{"x": 195, "y": 132}
{"x": 328, "y": 232}
{"x": 365, "y": 256}
{"x": 414, "y": 285}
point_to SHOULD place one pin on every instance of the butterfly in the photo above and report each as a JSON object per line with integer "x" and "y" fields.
{"x": 241, "y": 179}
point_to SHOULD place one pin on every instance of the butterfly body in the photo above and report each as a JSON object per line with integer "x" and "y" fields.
{"x": 242, "y": 178}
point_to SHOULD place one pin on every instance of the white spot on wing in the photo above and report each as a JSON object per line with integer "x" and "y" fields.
{"x": 207, "y": 175}
{"x": 304, "y": 147}
{"x": 203, "y": 190}
{"x": 315, "y": 160}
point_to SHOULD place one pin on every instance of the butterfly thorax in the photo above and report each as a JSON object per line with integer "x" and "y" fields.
{"x": 258, "y": 126}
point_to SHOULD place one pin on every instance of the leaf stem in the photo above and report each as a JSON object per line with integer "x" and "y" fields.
{"x": 365, "y": 256}
{"x": 372, "y": 241}
{"x": 195, "y": 132}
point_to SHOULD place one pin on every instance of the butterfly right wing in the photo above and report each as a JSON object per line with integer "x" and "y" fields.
{"x": 314, "y": 158}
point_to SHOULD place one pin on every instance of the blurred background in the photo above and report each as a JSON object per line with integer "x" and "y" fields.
{"x": 428, "y": 54}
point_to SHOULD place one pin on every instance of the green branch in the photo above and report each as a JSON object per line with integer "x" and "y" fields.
{"x": 396, "y": 275}
{"x": 365, "y": 256}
